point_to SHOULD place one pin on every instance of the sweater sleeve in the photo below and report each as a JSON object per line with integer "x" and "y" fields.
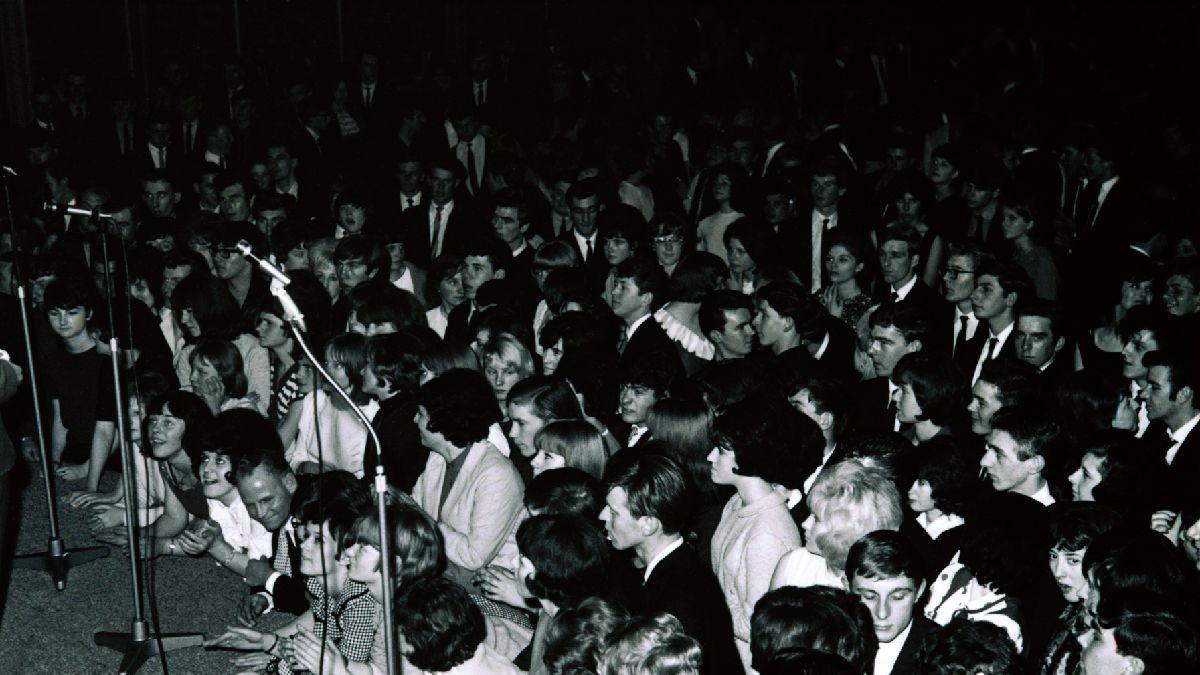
{"x": 496, "y": 503}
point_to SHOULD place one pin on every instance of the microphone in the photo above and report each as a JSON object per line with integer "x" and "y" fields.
{"x": 74, "y": 210}
{"x": 243, "y": 247}
{"x": 4, "y": 168}
{"x": 279, "y": 281}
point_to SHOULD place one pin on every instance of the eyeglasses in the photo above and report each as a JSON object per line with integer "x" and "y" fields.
{"x": 955, "y": 272}
{"x": 673, "y": 240}
{"x": 222, "y": 252}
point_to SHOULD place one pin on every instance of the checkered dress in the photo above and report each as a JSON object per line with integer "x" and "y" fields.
{"x": 348, "y": 621}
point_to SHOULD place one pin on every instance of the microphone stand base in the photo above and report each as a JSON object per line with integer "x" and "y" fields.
{"x": 140, "y": 645}
{"x": 58, "y": 560}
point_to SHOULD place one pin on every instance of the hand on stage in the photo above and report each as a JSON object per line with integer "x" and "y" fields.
{"x": 105, "y": 516}
{"x": 254, "y": 662}
{"x": 501, "y": 585}
{"x": 114, "y": 536}
{"x": 70, "y": 472}
{"x": 258, "y": 571}
{"x": 245, "y": 639}
{"x": 192, "y": 543}
{"x": 80, "y": 498}
{"x": 306, "y": 654}
{"x": 250, "y": 609}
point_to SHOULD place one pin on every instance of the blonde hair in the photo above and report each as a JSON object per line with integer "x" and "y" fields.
{"x": 577, "y": 442}
{"x": 509, "y": 350}
{"x": 849, "y": 500}
{"x": 651, "y": 646}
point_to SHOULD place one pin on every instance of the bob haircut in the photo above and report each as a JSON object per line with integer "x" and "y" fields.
{"x": 555, "y": 255}
{"x": 685, "y": 426}
{"x": 1074, "y": 525}
{"x": 577, "y": 442}
{"x": 210, "y": 303}
{"x": 69, "y": 292}
{"x": 850, "y": 500}
{"x": 225, "y": 358}
{"x": 827, "y": 619}
{"x": 939, "y": 386}
{"x": 1123, "y": 472}
{"x": 350, "y": 350}
{"x": 764, "y": 432}
{"x": 509, "y": 351}
{"x": 942, "y": 463}
{"x": 447, "y": 356}
{"x": 418, "y": 549}
{"x": 569, "y": 556}
{"x": 1151, "y": 628}
{"x": 698, "y": 274}
{"x": 188, "y": 407}
{"x": 550, "y": 399}
{"x": 460, "y": 405}
{"x": 576, "y": 639}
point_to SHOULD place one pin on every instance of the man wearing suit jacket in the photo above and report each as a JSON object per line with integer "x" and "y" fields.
{"x": 827, "y": 211}
{"x": 471, "y": 489}
{"x": 1170, "y": 396}
{"x": 267, "y": 486}
{"x": 884, "y": 570}
{"x": 953, "y": 322}
{"x": 445, "y": 222}
{"x": 1040, "y": 340}
{"x": 899, "y": 261}
{"x": 896, "y": 330}
{"x": 638, "y": 283}
{"x": 585, "y": 204}
{"x": 157, "y": 152}
{"x": 646, "y": 510}
{"x": 999, "y": 286}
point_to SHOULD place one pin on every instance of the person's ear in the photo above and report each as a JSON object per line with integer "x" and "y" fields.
{"x": 1036, "y": 463}
{"x": 289, "y": 482}
{"x": 1185, "y": 395}
{"x": 650, "y": 526}
{"x": 789, "y": 324}
{"x": 175, "y": 197}
{"x": 1010, "y": 299}
{"x": 916, "y": 261}
{"x": 914, "y": 346}
{"x": 1059, "y": 344}
{"x": 498, "y": 274}
{"x": 714, "y": 336}
{"x": 841, "y": 192}
{"x": 1134, "y": 665}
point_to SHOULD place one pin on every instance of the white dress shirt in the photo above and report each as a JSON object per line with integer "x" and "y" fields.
{"x": 819, "y": 227}
{"x": 903, "y": 291}
{"x": 1180, "y": 435}
{"x": 985, "y": 355}
{"x": 435, "y": 247}
{"x": 888, "y": 652}
{"x": 972, "y": 325}
{"x": 583, "y": 242}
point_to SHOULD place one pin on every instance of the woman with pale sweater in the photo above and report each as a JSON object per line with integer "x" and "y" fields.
{"x": 756, "y": 530}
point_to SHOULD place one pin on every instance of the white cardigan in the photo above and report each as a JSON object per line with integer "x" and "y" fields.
{"x": 482, "y": 511}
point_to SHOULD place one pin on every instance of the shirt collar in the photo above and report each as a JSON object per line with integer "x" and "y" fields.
{"x": 959, "y": 313}
{"x": 520, "y": 249}
{"x": 823, "y": 347}
{"x": 658, "y": 557}
{"x": 1002, "y": 336}
{"x": 635, "y": 325}
{"x": 904, "y": 290}
{"x": 1180, "y": 435}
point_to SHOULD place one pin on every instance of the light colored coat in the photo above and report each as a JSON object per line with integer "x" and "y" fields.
{"x": 481, "y": 512}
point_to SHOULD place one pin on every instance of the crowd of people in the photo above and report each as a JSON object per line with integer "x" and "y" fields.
{"x": 751, "y": 362}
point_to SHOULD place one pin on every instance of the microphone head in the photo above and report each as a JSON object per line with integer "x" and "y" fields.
{"x": 243, "y": 248}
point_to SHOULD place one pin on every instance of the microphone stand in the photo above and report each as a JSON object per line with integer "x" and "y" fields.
{"x": 140, "y": 643}
{"x": 279, "y": 281}
{"x": 57, "y": 560}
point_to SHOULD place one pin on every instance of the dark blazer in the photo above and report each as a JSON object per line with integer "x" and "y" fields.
{"x": 974, "y": 348}
{"x": 595, "y": 266}
{"x": 838, "y": 358}
{"x": 920, "y": 296}
{"x": 1174, "y": 484}
{"x": 681, "y": 584}
{"x": 905, "y": 662}
{"x": 871, "y": 401}
{"x": 403, "y": 454}
{"x": 290, "y": 594}
{"x": 459, "y": 227}
{"x": 650, "y": 344}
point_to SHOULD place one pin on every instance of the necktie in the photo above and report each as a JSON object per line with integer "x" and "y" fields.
{"x": 984, "y": 357}
{"x": 162, "y": 158}
{"x": 825, "y": 223}
{"x": 435, "y": 244}
{"x": 961, "y": 336}
{"x": 471, "y": 175}
{"x": 622, "y": 342}
{"x": 895, "y": 297}
{"x": 991, "y": 348}
{"x": 368, "y": 94}
{"x": 283, "y": 561}
{"x": 588, "y": 256}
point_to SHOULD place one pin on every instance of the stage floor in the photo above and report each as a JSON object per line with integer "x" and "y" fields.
{"x": 47, "y": 631}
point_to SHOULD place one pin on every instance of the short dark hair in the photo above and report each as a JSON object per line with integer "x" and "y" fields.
{"x": 68, "y": 292}
{"x": 395, "y": 359}
{"x": 211, "y": 304}
{"x": 648, "y": 373}
{"x": 1074, "y": 525}
{"x": 655, "y": 486}
{"x": 939, "y": 386}
{"x": 1030, "y": 426}
{"x": 968, "y": 249}
{"x": 440, "y": 623}
{"x": 953, "y": 480}
{"x": 512, "y": 198}
{"x": 912, "y": 322}
{"x": 1152, "y": 628}
{"x": 569, "y": 556}
{"x": 646, "y": 275}
{"x": 365, "y": 248}
{"x": 1012, "y": 277}
{"x": 584, "y": 189}
{"x": 1016, "y": 382}
{"x": 828, "y": 394}
{"x": 884, "y": 554}
{"x": 1049, "y": 309}
{"x": 714, "y": 306}
{"x": 769, "y": 438}
{"x": 965, "y": 646}
{"x": 251, "y": 438}
{"x": 460, "y": 405}
{"x": 904, "y": 233}
{"x": 566, "y": 490}
{"x": 788, "y": 299}
{"x": 1183, "y": 369}
{"x": 196, "y": 418}
{"x": 817, "y": 617}
{"x": 697, "y": 275}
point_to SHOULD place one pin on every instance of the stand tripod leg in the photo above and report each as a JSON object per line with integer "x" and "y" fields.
{"x": 140, "y": 645}
{"x": 58, "y": 560}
